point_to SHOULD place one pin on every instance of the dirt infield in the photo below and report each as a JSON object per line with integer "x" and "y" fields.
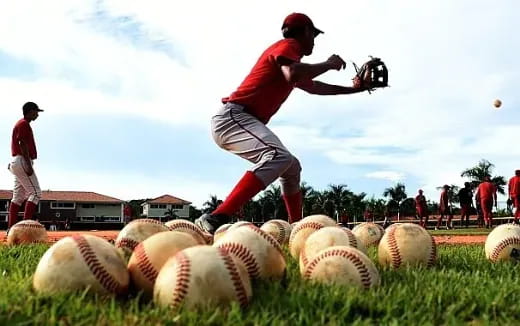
{"x": 111, "y": 235}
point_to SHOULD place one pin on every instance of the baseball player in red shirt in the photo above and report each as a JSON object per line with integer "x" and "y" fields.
{"x": 422, "y": 208}
{"x": 514, "y": 193}
{"x": 445, "y": 209}
{"x": 240, "y": 127}
{"x": 487, "y": 194}
{"x": 23, "y": 150}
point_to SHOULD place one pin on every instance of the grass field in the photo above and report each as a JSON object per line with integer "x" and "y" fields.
{"x": 463, "y": 288}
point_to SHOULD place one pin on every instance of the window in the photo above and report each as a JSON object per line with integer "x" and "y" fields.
{"x": 88, "y": 206}
{"x": 62, "y": 205}
{"x": 175, "y": 206}
{"x": 3, "y": 206}
{"x": 111, "y": 219}
{"x": 87, "y": 219}
{"x": 158, "y": 206}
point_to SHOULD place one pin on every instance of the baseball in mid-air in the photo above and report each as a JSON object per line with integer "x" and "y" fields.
{"x": 497, "y": 103}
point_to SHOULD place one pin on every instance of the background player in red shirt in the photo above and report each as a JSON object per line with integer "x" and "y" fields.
{"x": 422, "y": 209}
{"x": 23, "y": 150}
{"x": 514, "y": 193}
{"x": 240, "y": 125}
{"x": 487, "y": 194}
{"x": 445, "y": 209}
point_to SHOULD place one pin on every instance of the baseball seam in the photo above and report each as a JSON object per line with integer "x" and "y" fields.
{"x": 127, "y": 243}
{"x": 501, "y": 246}
{"x": 30, "y": 226}
{"x": 270, "y": 239}
{"x": 235, "y": 277}
{"x": 244, "y": 255}
{"x": 144, "y": 264}
{"x": 433, "y": 253}
{"x": 281, "y": 233}
{"x": 182, "y": 280}
{"x": 183, "y": 225}
{"x": 303, "y": 225}
{"x": 394, "y": 248}
{"x": 351, "y": 237}
{"x": 146, "y": 220}
{"x": 95, "y": 266}
{"x": 364, "y": 274}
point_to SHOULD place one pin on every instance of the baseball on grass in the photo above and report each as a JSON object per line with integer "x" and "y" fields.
{"x": 202, "y": 276}
{"x": 81, "y": 262}
{"x": 342, "y": 265}
{"x": 188, "y": 227}
{"x": 369, "y": 233}
{"x": 135, "y": 232}
{"x": 407, "y": 244}
{"x": 25, "y": 232}
{"x": 256, "y": 250}
{"x": 151, "y": 254}
{"x": 503, "y": 243}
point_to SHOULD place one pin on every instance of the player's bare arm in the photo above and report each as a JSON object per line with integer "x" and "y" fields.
{"x": 295, "y": 72}
{"x": 320, "y": 88}
{"x": 25, "y": 153}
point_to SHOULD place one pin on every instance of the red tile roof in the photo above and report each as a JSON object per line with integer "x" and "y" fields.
{"x": 74, "y": 196}
{"x": 168, "y": 199}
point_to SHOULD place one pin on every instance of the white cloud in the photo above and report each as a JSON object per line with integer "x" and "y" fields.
{"x": 386, "y": 175}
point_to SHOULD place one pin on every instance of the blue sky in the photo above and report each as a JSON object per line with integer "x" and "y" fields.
{"x": 129, "y": 89}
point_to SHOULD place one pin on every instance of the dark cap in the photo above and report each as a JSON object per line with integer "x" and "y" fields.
{"x": 299, "y": 20}
{"x": 517, "y": 172}
{"x": 446, "y": 187}
{"x": 31, "y": 106}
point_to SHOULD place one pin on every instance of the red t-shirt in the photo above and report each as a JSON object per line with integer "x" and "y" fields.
{"x": 23, "y": 131}
{"x": 444, "y": 199}
{"x": 420, "y": 201}
{"x": 514, "y": 186}
{"x": 265, "y": 88}
{"x": 486, "y": 190}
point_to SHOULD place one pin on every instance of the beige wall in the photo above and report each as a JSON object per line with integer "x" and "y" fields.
{"x": 159, "y": 212}
{"x": 99, "y": 210}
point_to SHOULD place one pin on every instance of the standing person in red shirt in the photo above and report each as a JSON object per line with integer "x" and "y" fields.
{"x": 466, "y": 203}
{"x": 369, "y": 217}
{"x": 240, "y": 125}
{"x": 23, "y": 150}
{"x": 514, "y": 194}
{"x": 445, "y": 209}
{"x": 487, "y": 193}
{"x": 422, "y": 209}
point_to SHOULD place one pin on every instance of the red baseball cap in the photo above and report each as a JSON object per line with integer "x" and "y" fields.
{"x": 299, "y": 20}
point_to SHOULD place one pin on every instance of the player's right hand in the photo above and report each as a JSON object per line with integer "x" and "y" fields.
{"x": 335, "y": 62}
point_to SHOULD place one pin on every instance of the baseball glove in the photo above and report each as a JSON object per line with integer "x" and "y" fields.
{"x": 372, "y": 74}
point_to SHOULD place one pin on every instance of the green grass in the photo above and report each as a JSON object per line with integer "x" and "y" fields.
{"x": 463, "y": 288}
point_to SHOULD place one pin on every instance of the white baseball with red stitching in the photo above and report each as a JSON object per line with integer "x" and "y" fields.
{"x": 407, "y": 244}
{"x": 150, "y": 255}
{"x": 342, "y": 265}
{"x": 257, "y": 251}
{"x": 202, "y": 276}
{"x": 135, "y": 232}
{"x": 81, "y": 262}
{"x": 326, "y": 237}
{"x": 26, "y": 232}
{"x": 303, "y": 229}
{"x": 279, "y": 229}
{"x": 189, "y": 228}
{"x": 503, "y": 243}
{"x": 369, "y": 233}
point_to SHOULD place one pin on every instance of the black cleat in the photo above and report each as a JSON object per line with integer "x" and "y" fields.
{"x": 210, "y": 223}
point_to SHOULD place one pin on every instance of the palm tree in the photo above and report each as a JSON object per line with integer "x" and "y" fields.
{"x": 308, "y": 196}
{"x": 171, "y": 214}
{"x": 211, "y": 205}
{"x": 396, "y": 194}
{"x": 272, "y": 200}
{"x": 340, "y": 196}
{"x": 477, "y": 174}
